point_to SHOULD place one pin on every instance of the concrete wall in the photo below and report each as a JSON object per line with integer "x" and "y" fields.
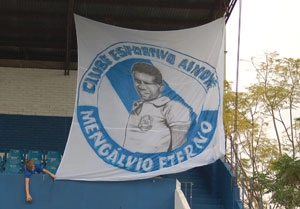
{"x": 36, "y": 108}
{"x": 37, "y": 92}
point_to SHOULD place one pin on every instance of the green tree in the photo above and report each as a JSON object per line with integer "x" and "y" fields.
{"x": 255, "y": 150}
{"x": 283, "y": 182}
{"x": 279, "y": 91}
{"x": 267, "y": 105}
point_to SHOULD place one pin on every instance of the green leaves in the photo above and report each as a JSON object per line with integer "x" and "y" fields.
{"x": 285, "y": 187}
{"x": 263, "y": 124}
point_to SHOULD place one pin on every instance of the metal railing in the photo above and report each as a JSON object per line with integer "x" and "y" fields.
{"x": 187, "y": 187}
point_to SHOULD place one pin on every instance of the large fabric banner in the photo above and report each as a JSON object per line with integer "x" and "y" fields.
{"x": 148, "y": 103}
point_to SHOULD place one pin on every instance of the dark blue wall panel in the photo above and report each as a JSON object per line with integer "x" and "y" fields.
{"x": 33, "y": 132}
{"x": 223, "y": 185}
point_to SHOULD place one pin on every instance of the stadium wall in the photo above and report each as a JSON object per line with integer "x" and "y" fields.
{"x": 36, "y": 108}
{"x": 48, "y": 194}
{"x": 42, "y": 92}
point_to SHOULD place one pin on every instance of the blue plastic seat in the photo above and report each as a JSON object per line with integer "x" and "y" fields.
{"x": 1, "y": 164}
{"x": 16, "y": 155}
{"x": 53, "y": 161}
{"x": 34, "y": 153}
{"x": 14, "y": 160}
{"x": 52, "y": 166}
{"x": 36, "y": 156}
{"x": 16, "y": 152}
{"x": 13, "y": 168}
{"x": 53, "y": 157}
{"x": 53, "y": 154}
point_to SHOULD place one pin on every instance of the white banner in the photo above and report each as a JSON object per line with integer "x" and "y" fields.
{"x": 148, "y": 103}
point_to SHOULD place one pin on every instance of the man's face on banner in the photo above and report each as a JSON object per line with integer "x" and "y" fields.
{"x": 146, "y": 86}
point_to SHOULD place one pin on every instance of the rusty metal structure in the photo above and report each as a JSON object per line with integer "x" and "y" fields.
{"x": 41, "y": 33}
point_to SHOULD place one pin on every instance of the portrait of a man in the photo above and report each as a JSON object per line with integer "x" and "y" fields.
{"x": 156, "y": 122}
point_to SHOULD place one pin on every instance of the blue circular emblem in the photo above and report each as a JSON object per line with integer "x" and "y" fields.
{"x": 149, "y": 119}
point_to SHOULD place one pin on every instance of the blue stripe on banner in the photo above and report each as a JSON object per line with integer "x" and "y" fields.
{"x": 121, "y": 80}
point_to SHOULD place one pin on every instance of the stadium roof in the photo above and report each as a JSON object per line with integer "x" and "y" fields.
{"x": 41, "y": 33}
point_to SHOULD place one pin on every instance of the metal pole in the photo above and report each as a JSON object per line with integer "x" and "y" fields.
{"x": 191, "y": 195}
{"x": 237, "y": 73}
{"x": 243, "y": 191}
{"x": 231, "y": 152}
{"x": 236, "y": 164}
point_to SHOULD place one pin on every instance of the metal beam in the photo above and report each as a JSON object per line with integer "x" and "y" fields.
{"x": 230, "y": 8}
{"x": 70, "y": 23}
{"x": 154, "y": 4}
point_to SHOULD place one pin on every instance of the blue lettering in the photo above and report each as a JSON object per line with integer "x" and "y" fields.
{"x": 137, "y": 50}
{"x": 121, "y": 52}
{"x": 211, "y": 81}
{"x": 128, "y": 50}
{"x": 183, "y": 64}
{"x": 89, "y": 85}
{"x": 114, "y": 55}
{"x": 171, "y": 59}
{"x": 145, "y": 51}
{"x": 196, "y": 71}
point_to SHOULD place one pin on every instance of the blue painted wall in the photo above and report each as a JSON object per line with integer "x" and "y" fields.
{"x": 222, "y": 184}
{"x": 153, "y": 193}
{"x": 33, "y": 132}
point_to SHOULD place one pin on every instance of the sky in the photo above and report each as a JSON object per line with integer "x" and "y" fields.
{"x": 266, "y": 26}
